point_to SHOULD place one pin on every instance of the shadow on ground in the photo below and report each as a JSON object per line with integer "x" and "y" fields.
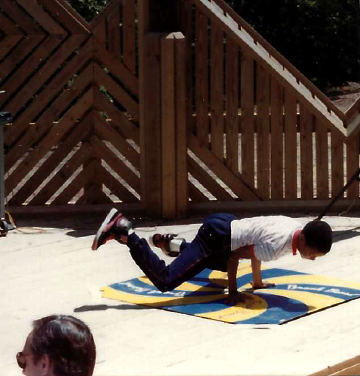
{"x": 104, "y": 307}
{"x": 345, "y": 234}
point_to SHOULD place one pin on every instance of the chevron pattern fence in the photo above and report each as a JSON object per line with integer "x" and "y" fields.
{"x": 72, "y": 88}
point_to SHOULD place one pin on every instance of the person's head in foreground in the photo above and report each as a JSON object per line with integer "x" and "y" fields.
{"x": 315, "y": 240}
{"x": 58, "y": 345}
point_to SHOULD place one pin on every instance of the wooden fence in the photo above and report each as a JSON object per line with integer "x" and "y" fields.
{"x": 165, "y": 112}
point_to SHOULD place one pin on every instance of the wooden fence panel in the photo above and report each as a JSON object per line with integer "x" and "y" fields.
{"x": 217, "y": 92}
{"x": 232, "y": 106}
{"x": 276, "y": 140}
{"x": 290, "y": 146}
{"x": 322, "y": 160}
{"x": 75, "y": 76}
{"x": 263, "y": 132}
{"x": 306, "y": 154}
{"x": 202, "y": 87}
{"x": 247, "y": 118}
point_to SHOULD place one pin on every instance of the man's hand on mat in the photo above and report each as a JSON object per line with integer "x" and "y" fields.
{"x": 262, "y": 285}
{"x": 236, "y": 297}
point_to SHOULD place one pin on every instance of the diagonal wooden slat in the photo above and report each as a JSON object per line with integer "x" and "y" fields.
{"x": 66, "y": 16}
{"x": 234, "y": 182}
{"x": 37, "y": 131}
{"x": 17, "y": 55}
{"x": 80, "y": 133}
{"x": 82, "y": 156}
{"x": 121, "y": 96}
{"x": 104, "y": 57}
{"x": 12, "y": 10}
{"x": 79, "y": 83}
{"x": 42, "y": 18}
{"x": 105, "y": 131}
{"x": 56, "y": 133}
{"x": 8, "y": 27}
{"x": 114, "y": 185}
{"x": 126, "y": 128}
{"x": 72, "y": 188}
{"x": 49, "y": 68}
{"x": 116, "y": 164}
{"x": 6, "y": 45}
{"x": 207, "y": 181}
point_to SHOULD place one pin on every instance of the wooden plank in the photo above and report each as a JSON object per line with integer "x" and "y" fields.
{"x": 196, "y": 195}
{"x": 306, "y": 153}
{"x": 72, "y": 189}
{"x": 11, "y": 9}
{"x": 290, "y": 146}
{"x": 115, "y": 186}
{"x": 48, "y": 192}
{"x": 322, "y": 160}
{"x": 31, "y": 64}
{"x": 234, "y": 182}
{"x": 104, "y": 57}
{"x": 8, "y": 27}
{"x": 93, "y": 195}
{"x": 247, "y": 121}
{"x": 334, "y": 118}
{"x": 126, "y": 128}
{"x": 182, "y": 195}
{"x": 45, "y": 72}
{"x": 263, "y": 132}
{"x": 103, "y": 152}
{"x": 67, "y": 17}
{"x": 150, "y": 120}
{"x": 242, "y": 24}
{"x": 116, "y": 91}
{"x": 52, "y": 113}
{"x": 99, "y": 30}
{"x": 168, "y": 124}
{"x": 337, "y": 164}
{"x": 207, "y": 181}
{"x": 71, "y": 11}
{"x": 352, "y": 164}
{"x": 7, "y": 44}
{"x": 232, "y": 106}
{"x": 27, "y": 135}
{"x": 201, "y": 77}
{"x": 17, "y": 55}
{"x": 217, "y": 91}
{"x": 113, "y": 32}
{"x": 52, "y": 138}
{"x": 129, "y": 35}
{"x": 42, "y": 18}
{"x": 276, "y": 102}
{"x": 79, "y": 133}
{"x": 105, "y": 131}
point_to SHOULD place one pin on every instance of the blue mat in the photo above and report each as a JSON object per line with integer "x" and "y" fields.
{"x": 295, "y": 295}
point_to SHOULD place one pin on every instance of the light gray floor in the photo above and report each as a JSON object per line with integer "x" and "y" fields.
{"x": 49, "y": 268}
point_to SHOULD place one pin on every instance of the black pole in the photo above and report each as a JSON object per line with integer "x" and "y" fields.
{"x": 356, "y": 176}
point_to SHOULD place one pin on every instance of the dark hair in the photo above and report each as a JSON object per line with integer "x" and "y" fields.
{"x": 67, "y": 341}
{"x": 318, "y": 235}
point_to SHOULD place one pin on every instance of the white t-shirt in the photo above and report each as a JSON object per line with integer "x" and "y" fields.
{"x": 270, "y": 235}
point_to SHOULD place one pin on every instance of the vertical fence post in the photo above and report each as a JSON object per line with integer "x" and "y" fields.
{"x": 162, "y": 110}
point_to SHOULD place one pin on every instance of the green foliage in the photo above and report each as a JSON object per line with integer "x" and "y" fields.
{"x": 319, "y": 37}
{"x": 88, "y": 9}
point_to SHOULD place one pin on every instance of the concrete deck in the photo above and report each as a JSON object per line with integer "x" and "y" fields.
{"x": 47, "y": 267}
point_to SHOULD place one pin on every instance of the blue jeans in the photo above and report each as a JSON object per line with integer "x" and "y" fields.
{"x": 209, "y": 249}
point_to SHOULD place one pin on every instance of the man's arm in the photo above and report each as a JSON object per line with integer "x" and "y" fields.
{"x": 256, "y": 272}
{"x": 232, "y": 266}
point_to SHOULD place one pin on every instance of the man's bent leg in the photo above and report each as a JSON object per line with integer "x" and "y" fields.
{"x": 167, "y": 277}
